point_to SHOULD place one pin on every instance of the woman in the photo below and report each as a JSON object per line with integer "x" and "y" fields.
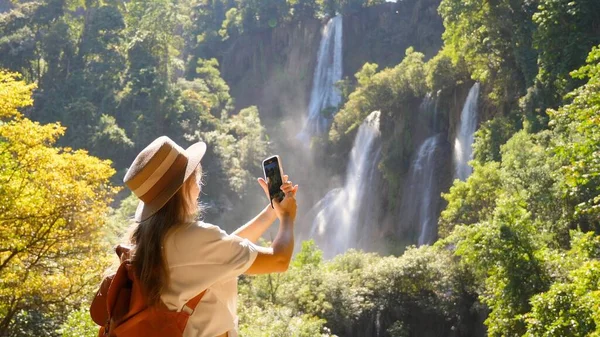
{"x": 176, "y": 257}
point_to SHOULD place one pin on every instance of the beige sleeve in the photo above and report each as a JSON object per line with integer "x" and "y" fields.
{"x": 206, "y": 254}
{"x": 238, "y": 255}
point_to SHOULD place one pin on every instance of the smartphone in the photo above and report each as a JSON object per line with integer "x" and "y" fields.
{"x": 273, "y": 176}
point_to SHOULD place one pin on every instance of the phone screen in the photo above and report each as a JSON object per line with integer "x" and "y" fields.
{"x": 273, "y": 177}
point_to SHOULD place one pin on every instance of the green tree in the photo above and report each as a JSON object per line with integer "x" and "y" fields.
{"x": 495, "y": 41}
{"x": 99, "y": 47}
{"x": 565, "y": 32}
{"x": 472, "y": 201}
{"x": 576, "y": 128}
{"x": 241, "y": 145}
{"x": 279, "y": 321}
{"x": 490, "y": 136}
{"x": 504, "y": 256}
{"x": 150, "y": 102}
{"x": 358, "y": 294}
{"x": 442, "y": 73}
{"x": 202, "y": 37}
{"x": 303, "y": 9}
{"x": 83, "y": 74}
{"x": 569, "y": 307}
{"x": 79, "y": 324}
{"x": 18, "y": 29}
{"x": 254, "y": 16}
{"x": 386, "y": 91}
{"x": 308, "y": 255}
{"x": 529, "y": 171}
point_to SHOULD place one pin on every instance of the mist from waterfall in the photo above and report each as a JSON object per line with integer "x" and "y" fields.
{"x": 342, "y": 217}
{"x": 324, "y": 94}
{"x": 463, "y": 144}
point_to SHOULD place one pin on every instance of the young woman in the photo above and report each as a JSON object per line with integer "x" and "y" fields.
{"x": 176, "y": 256}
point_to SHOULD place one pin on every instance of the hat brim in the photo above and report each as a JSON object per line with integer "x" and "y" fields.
{"x": 194, "y": 154}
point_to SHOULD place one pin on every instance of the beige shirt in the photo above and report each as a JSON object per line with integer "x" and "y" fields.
{"x": 199, "y": 257}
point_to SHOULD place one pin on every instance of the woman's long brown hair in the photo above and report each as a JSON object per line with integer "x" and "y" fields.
{"x": 147, "y": 237}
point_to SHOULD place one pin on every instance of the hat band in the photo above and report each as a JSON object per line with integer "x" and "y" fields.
{"x": 143, "y": 173}
{"x": 157, "y": 174}
{"x": 174, "y": 176}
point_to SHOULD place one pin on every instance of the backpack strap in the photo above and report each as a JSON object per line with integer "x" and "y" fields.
{"x": 138, "y": 312}
{"x": 123, "y": 252}
{"x": 188, "y": 310}
{"x": 190, "y": 306}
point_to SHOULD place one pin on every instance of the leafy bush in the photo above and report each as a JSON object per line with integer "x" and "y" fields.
{"x": 357, "y": 293}
{"x": 490, "y": 136}
{"x": 443, "y": 73}
{"x": 79, "y": 324}
{"x": 386, "y": 91}
{"x": 473, "y": 200}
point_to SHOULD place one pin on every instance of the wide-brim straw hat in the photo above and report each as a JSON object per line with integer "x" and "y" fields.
{"x": 159, "y": 171}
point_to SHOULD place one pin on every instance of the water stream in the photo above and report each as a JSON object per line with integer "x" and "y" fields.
{"x": 463, "y": 144}
{"x": 421, "y": 193}
{"x": 342, "y": 214}
{"x": 324, "y": 94}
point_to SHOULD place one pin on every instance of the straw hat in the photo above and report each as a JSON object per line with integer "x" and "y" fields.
{"x": 158, "y": 172}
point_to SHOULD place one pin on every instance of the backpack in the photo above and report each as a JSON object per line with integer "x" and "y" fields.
{"x": 120, "y": 308}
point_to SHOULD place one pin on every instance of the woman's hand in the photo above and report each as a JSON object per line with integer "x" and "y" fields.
{"x": 286, "y": 209}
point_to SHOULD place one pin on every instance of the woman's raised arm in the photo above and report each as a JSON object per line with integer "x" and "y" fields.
{"x": 277, "y": 257}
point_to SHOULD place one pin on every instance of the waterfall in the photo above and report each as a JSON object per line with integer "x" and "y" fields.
{"x": 324, "y": 94}
{"x": 463, "y": 143}
{"x": 421, "y": 192}
{"x": 429, "y": 107}
{"x": 344, "y": 211}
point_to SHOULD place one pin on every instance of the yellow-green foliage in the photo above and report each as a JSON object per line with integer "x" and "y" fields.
{"x": 52, "y": 209}
{"x": 14, "y": 94}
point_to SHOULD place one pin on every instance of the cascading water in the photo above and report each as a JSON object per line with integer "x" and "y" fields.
{"x": 419, "y": 198}
{"x": 429, "y": 108}
{"x": 344, "y": 211}
{"x": 324, "y": 94}
{"x": 463, "y": 143}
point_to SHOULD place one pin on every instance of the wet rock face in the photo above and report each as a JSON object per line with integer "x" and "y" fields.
{"x": 381, "y": 34}
{"x": 273, "y": 69}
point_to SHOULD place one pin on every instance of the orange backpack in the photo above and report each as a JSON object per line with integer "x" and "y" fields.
{"x": 121, "y": 310}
